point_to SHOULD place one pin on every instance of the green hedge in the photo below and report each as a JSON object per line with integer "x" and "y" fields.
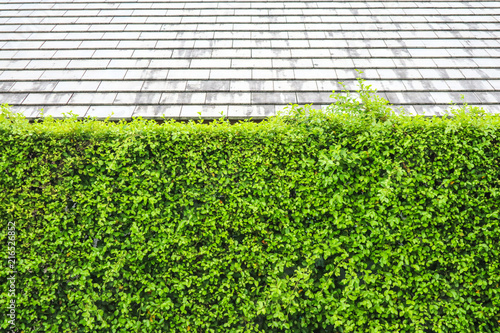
{"x": 308, "y": 222}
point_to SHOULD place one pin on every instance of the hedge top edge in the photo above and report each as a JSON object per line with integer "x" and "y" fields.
{"x": 363, "y": 107}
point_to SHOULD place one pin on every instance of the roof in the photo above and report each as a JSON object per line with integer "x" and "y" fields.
{"x": 243, "y": 58}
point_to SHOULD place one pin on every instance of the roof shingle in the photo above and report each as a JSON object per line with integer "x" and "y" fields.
{"x": 244, "y": 58}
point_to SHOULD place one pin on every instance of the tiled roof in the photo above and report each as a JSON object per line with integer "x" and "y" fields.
{"x": 244, "y": 58}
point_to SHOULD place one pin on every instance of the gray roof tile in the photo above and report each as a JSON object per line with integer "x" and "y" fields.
{"x": 164, "y": 85}
{"x": 13, "y": 98}
{"x": 86, "y": 98}
{"x": 72, "y": 86}
{"x": 246, "y": 58}
{"x": 157, "y": 74}
{"x": 225, "y": 98}
{"x": 111, "y": 86}
{"x": 17, "y": 75}
{"x": 448, "y": 97}
{"x": 230, "y": 74}
{"x": 135, "y": 98}
{"x": 43, "y": 99}
{"x": 211, "y": 85}
{"x": 254, "y": 85}
{"x": 157, "y": 111}
{"x": 205, "y": 111}
{"x": 33, "y": 86}
{"x": 104, "y": 74}
{"x": 183, "y": 98}
{"x": 75, "y": 74}
{"x": 111, "y": 111}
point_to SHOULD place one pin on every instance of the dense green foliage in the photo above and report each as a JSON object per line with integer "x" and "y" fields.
{"x": 326, "y": 221}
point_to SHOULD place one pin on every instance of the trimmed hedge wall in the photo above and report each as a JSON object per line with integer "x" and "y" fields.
{"x": 311, "y": 222}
